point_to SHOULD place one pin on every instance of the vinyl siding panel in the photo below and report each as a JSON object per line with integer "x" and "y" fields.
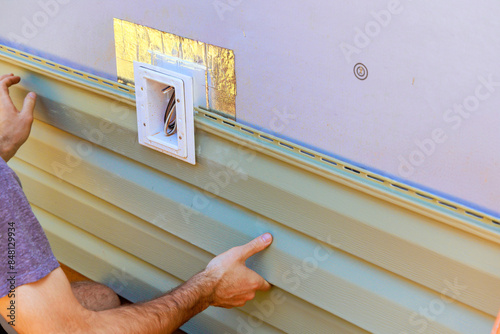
{"x": 351, "y": 255}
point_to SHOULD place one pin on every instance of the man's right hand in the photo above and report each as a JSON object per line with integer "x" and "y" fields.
{"x": 15, "y": 125}
{"x": 49, "y": 306}
{"x": 235, "y": 284}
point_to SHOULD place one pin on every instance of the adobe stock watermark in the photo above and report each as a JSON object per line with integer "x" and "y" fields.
{"x": 223, "y": 6}
{"x": 84, "y": 148}
{"x": 454, "y": 118}
{"x": 292, "y": 279}
{"x": 364, "y": 36}
{"x": 436, "y": 307}
{"x": 220, "y": 176}
{"x": 233, "y": 171}
{"x": 119, "y": 281}
{"x": 33, "y": 24}
{"x": 281, "y": 120}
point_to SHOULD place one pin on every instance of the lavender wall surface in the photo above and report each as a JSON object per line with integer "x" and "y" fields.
{"x": 426, "y": 114}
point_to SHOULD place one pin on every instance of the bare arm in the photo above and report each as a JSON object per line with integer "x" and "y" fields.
{"x": 48, "y": 306}
{"x": 15, "y": 125}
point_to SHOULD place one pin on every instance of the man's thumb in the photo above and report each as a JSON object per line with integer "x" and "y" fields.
{"x": 256, "y": 245}
{"x": 29, "y": 104}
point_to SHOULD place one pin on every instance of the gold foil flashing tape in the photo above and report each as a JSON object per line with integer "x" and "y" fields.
{"x": 137, "y": 42}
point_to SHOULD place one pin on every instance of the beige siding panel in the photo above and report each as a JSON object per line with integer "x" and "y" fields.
{"x": 318, "y": 207}
{"x": 158, "y": 247}
{"x": 346, "y": 293}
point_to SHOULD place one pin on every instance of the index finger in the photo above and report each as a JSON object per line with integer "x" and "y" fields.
{"x": 9, "y": 80}
{"x": 5, "y": 76}
{"x": 256, "y": 245}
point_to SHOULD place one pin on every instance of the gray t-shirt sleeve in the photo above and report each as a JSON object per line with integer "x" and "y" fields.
{"x": 27, "y": 256}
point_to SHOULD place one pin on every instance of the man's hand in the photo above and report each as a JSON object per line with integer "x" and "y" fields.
{"x": 49, "y": 306}
{"x": 235, "y": 284}
{"x": 15, "y": 125}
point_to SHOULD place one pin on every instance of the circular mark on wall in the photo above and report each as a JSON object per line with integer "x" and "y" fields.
{"x": 360, "y": 71}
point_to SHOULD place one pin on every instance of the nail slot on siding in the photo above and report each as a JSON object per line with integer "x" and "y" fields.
{"x": 424, "y": 196}
{"x": 447, "y": 204}
{"x": 249, "y": 131}
{"x": 267, "y": 138}
{"x": 399, "y": 187}
{"x": 307, "y": 153}
{"x": 352, "y": 170}
{"x": 329, "y": 162}
{"x": 208, "y": 116}
{"x": 474, "y": 214}
{"x": 287, "y": 146}
{"x": 374, "y": 178}
{"x": 228, "y": 123}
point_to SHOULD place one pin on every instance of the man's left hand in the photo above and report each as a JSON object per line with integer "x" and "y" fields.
{"x": 15, "y": 125}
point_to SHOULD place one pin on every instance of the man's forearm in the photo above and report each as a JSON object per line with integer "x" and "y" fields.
{"x": 49, "y": 306}
{"x": 161, "y": 315}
